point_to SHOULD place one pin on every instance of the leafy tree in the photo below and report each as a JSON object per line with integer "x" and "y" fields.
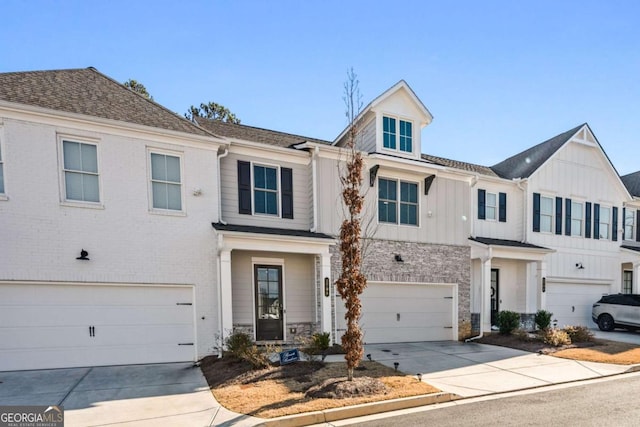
{"x": 352, "y": 281}
{"x": 212, "y": 111}
{"x": 138, "y": 87}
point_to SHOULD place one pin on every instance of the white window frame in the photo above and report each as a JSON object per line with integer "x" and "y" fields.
{"x": 574, "y": 219}
{"x": 632, "y": 214}
{"x": 398, "y": 119}
{"x": 607, "y": 227}
{"x": 551, "y": 215}
{"x": 494, "y": 206}
{"x": 398, "y": 201}
{"x": 62, "y": 172}
{"x": 278, "y": 191}
{"x": 150, "y": 180}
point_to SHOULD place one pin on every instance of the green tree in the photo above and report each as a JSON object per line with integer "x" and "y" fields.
{"x": 138, "y": 87}
{"x": 212, "y": 111}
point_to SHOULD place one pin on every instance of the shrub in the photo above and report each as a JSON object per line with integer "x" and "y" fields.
{"x": 238, "y": 343}
{"x": 579, "y": 333}
{"x": 508, "y": 321}
{"x": 257, "y": 357}
{"x": 523, "y": 335}
{"x": 556, "y": 337}
{"x": 543, "y": 319}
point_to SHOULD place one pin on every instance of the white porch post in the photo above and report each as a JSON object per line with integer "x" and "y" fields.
{"x": 485, "y": 316}
{"x": 325, "y": 301}
{"x": 226, "y": 301}
{"x": 541, "y": 281}
{"x": 634, "y": 278}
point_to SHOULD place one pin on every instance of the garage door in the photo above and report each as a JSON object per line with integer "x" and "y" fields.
{"x": 55, "y": 326}
{"x": 404, "y": 313}
{"x": 571, "y": 303}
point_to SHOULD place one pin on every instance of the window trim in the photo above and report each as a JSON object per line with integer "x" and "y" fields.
{"x": 624, "y": 273}
{"x": 608, "y": 224}
{"x": 398, "y": 202}
{"x": 278, "y": 190}
{"x": 162, "y": 211}
{"x": 630, "y": 236}
{"x": 62, "y": 172}
{"x": 551, "y": 215}
{"x": 495, "y": 207}
{"x": 574, "y": 218}
{"x": 398, "y": 119}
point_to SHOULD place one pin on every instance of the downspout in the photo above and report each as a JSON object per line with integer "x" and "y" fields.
{"x": 473, "y": 183}
{"x": 219, "y": 245}
{"x": 525, "y": 200}
{"x": 220, "y": 156}
{"x": 314, "y": 190}
{"x": 482, "y": 289}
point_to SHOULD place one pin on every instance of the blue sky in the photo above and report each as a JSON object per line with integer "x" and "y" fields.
{"x": 498, "y": 76}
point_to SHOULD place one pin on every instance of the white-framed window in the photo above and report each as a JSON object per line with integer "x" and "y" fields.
{"x": 546, "y": 214}
{"x": 577, "y": 216}
{"x": 627, "y": 282}
{"x": 265, "y": 189}
{"x": 605, "y": 222}
{"x": 629, "y": 224}
{"x": 491, "y": 206}
{"x": 398, "y": 205}
{"x": 166, "y": 181}
{"x": 2, "y": 192}
{"x": 80, "y": 177}
{"x": 397, "y": 134}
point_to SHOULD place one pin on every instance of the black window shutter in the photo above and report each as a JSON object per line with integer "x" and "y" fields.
{"x": 624, "y": 222}
{"x": 567, "y": 222}
{"x": 614, "y": 224}
{"x": 638, "y": 225}
{"x": 596, "y": 221}
{"x": 244, "y": 187}
{"x": 587, "y": 220}
{"x": 481, "y": 204}
{"x": 286, "y": 182}
{"x": 502, "y": 207}
{"x": 536, "y": 211}
{"x": 558, "y": 215}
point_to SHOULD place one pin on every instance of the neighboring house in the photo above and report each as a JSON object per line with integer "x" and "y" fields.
{"x": 631, "y": 236}
{"x": 89, "y": 165}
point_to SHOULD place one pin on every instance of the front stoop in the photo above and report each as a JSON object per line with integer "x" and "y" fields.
{"x": 346, "y": 412}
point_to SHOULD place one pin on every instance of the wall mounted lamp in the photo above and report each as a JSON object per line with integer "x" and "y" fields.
{"x": 398, "y": 258}
{"x": 579, "y": 266}
{"x": 84, "y": 255}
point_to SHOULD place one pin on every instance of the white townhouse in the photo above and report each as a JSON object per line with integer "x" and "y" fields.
{"x": 106, "y": 204}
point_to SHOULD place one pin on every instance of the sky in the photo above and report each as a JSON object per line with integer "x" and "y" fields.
{"x": 498, "y": 76}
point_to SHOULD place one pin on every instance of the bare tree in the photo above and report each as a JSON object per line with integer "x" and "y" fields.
{"x": 352, "y": 281}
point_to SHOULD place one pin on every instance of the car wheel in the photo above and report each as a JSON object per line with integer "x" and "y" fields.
{"x": 605, "y": 322}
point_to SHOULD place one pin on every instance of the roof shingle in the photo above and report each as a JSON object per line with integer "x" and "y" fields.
{"x": 632, "y": 182}
{"x": 483, "y": 170}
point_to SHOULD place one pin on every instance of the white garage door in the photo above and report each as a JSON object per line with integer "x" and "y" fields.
{"x": 55, "y": 326}
{"x": 571, "y": 303}
{"x": 404, "y": 313}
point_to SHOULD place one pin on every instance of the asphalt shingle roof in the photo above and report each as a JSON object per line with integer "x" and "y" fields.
{"x": 269, "y": 230}
{"x": 523, "y": 164}
{"x": 254, "y": 134}
{"x": 503, "y": 242}
{"x": 632, "y": 182}
{"x": 483, "y": 170}
{"x": 89, "y": 92}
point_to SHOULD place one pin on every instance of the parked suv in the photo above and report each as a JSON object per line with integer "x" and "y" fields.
{"x": 620, "y": 310}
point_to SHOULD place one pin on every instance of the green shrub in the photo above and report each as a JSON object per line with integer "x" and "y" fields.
{"x": 508, "y": 321}
{"x": 579, "y": 333}
{"x": 556, "y": 337}
{"x": 543, "y": 319}
{"x": 238, "y": 343}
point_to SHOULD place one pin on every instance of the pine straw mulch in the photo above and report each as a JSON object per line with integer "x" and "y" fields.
{"x": 598, "y": 350}
{"x": 303, "y": 386}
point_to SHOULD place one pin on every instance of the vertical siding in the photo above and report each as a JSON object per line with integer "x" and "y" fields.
{"x": 512, "y": 229}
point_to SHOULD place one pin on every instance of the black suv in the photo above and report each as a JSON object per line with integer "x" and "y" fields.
{"x": 620, "y": 310}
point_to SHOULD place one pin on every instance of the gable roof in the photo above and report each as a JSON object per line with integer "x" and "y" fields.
{"x": 87, "y": 91}
{"x": 523, "y": 164}
{"x": 250, "y": 133}
{"x": 482, "y": 170}
{"x": 632, "y": 182}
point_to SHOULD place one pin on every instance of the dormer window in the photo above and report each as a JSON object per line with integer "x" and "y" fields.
{"x": 394, "y": 140}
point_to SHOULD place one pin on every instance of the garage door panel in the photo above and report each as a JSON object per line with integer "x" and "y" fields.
{"x": 381, "y": 335}
{"x": 407, "y": 304}
{"x": 406, "y": 291}
{"x": 571, "y": 303}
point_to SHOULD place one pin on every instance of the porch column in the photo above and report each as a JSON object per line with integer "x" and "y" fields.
{"x": 634, "y": 278}
{"x": 325, "y": 301}
{"x": 541, "y": 275}
{"x": 485, "y": 314}
{"x": 226, "y": 301}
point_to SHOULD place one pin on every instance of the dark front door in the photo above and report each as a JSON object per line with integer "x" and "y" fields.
{"x": 495, "y": 295}
{"x": 269, "y": 308}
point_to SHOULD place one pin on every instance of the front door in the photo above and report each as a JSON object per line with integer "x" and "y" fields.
{"x": 269, "y": 307}
{"x": 495, "y": 295}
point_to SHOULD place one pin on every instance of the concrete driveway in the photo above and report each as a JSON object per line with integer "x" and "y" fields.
{"x": 161, "y": 394}
{"x": 620, "y": 335}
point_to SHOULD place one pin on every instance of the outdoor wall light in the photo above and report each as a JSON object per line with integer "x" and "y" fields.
{"x": 398, "y": 258}
{"x": 579, "y": 266}
{"x": 326, "y": 286}
{"x": 84, "y": 255}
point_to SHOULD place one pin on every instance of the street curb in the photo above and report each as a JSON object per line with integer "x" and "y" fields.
{"x": 632, "y": 368}
{"x": 336, "y": 414}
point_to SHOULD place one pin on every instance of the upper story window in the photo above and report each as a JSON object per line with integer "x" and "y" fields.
{"x": 265, "y": 189}
{"x": 491, "y": 206}
{"x": 392, "y": 139}
{"x": 397, "y": 211}
{"x": 629, "y": 224}
{"x": 576, "y": 218}
{"x": 546, "y": 214}
{"x": 1, "y": 172}
{"x": 80, "y": 169}
{"x": 166, "y": 181}
{"x": 605, "y": 221}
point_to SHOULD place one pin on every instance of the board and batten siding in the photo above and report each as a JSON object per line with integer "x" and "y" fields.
{"x": 512, "y": 228}
{"x": 302, "y": 198}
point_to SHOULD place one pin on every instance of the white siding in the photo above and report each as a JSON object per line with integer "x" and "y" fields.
{"x": 512, "y": 229}
{"x": 368, "y": 137}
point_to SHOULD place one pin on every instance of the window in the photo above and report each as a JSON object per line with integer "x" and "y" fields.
{"x": 490, "y": 206}
{"x": 576, "y": 219}
{"x": 388, "y": 205}
{"x": 627, "y": 282}
{"x": 629, "y": 224}
{"x": 546, "y": 214}
{"x": 265, "y": 189}
{"x": 392, "y": 139}
{"x": 605, "y": 220}
{"x": 80, "y": 168}
{"x": 1, "y": 173}
{"x": 166, "y": 182}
